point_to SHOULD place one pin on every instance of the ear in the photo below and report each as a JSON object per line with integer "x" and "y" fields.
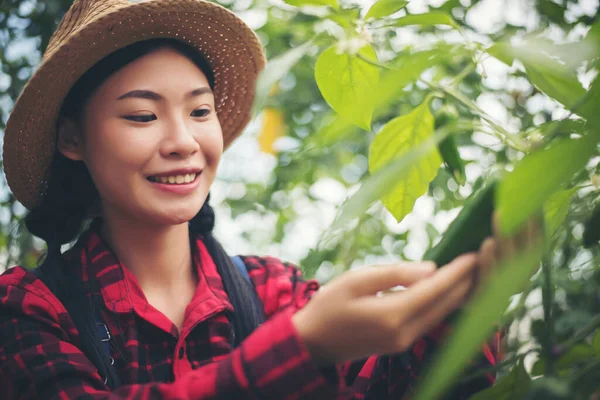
{"x": 70, "y": 142}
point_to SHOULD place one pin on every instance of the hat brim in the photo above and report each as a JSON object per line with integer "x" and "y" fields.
{"x": 230, "y": 46}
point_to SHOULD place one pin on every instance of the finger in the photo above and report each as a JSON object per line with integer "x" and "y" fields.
{"x": 522, "y": 239}
{"x": 433, "y": 289}
{"x": 505, "y": 247}
{"x": 534, "y": 231}
{"x": 371, "y": 280}
{"x": 487, "y": 257}
{"x": 424, "y": 322}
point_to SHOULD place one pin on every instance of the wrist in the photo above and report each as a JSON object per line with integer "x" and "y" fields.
{"x": 304, "y": 328}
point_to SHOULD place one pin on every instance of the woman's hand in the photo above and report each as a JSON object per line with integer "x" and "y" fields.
{"x": 349, "y": 318}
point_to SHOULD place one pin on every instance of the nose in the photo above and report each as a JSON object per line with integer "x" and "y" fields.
{"x": 179, "y": 140}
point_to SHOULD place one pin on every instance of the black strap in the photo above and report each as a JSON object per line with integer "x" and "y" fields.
{"x": 85, "y": 316}
{"x": 95, "y": 343}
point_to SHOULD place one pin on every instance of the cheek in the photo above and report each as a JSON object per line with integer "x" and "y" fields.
{"x": 212, "y": 146}
{"x": 111, "y": 149}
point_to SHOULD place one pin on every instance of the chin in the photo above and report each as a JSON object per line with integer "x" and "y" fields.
{"x": 178, "y": 217}
{"x": 169, "y": 215}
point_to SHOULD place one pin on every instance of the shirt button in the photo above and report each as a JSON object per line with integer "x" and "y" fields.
{"x": 181, "y": 352}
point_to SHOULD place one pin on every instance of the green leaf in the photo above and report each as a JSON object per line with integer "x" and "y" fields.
{"x": 382, "y": 181}
{"x": 558, "y": 83}
{"x": 475, "y": 324}
{"x": 538, "y": 176}
{"x": 591, "y": 228}
{"x": 549, "y": 388}
{"x": 581, "y": 352}
{"x": 348, "y": 84}
{"x": 426, "y": 19}
{"x": 555, "y": 210}
{"x": 275, "y": 70}
{"x": 300, "y": 3}
{"x": 596, "y": 342}
{"x": 563, "y": 127}
{"x": 345, "y": 17}
{"x": 512, "y": 386}
{"x": 397, "y": 137}
{"x": 331, "y": 130}
{"x": 539, "y": 368}
{"x": 550, "y": 75}
{"x": 590, "y": 106}
{"x": 383, "y": 8}
{"x": 407, "y": 69}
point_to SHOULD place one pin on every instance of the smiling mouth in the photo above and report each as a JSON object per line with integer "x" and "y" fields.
{"x": 173, "y": 179}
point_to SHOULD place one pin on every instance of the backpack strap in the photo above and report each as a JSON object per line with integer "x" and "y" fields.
{"x": 94, "y": 340}
{"x": 257, "y": 305}
{"x": 239, "y": 263}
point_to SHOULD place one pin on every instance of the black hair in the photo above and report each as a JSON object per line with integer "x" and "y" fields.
{"x": 71, "y": 199}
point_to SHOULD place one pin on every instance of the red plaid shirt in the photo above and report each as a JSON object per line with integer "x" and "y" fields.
{"x": 39, "y": 355}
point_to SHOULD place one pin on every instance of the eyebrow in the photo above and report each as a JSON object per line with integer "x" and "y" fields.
{"x": 150, "y": 95}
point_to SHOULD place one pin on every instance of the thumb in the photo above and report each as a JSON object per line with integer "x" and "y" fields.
{"x": 371, "y": 280}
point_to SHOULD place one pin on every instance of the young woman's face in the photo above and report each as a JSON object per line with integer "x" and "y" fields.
{"x": 152, "y": 141}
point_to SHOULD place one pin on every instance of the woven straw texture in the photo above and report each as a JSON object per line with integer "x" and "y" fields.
{"x": 92, "y": 29}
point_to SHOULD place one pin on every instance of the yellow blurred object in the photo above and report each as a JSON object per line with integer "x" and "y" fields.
{"x": 274, "y": 90}
{"x": 272, "y": 129}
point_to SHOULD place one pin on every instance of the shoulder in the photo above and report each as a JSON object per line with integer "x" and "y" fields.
{"x": 22, "y": 292}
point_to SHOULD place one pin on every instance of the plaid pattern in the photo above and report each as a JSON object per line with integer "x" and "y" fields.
{"x": 39, "y": 355}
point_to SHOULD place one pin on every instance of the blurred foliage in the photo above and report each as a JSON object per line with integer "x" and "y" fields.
{"x": 411, "y": 80}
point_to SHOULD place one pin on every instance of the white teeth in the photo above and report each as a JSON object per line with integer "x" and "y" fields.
{"x": 175, "y": 179}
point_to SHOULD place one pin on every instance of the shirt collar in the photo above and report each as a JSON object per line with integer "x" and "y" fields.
{"x": 121, "y": 291}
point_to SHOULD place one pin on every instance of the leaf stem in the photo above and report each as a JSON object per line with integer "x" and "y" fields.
{"x": 372, "y": 62}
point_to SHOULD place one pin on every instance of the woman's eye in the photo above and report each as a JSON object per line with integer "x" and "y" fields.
{"x": 202, "y": 112}
{"x": 141, "y": 118}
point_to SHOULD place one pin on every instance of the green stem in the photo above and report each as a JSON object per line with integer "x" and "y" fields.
{"x": 463, "y": 74}
{"x": 547, "y": 301}
{"x": 498, "y": 131}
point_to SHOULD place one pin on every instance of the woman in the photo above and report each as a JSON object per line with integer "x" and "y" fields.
{"x": 124, "y": 124}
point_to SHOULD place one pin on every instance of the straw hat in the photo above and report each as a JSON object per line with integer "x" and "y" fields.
{"x": 92, "y": 29}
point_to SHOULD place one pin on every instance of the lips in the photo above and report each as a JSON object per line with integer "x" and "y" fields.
{"x": 176, "y": 179}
